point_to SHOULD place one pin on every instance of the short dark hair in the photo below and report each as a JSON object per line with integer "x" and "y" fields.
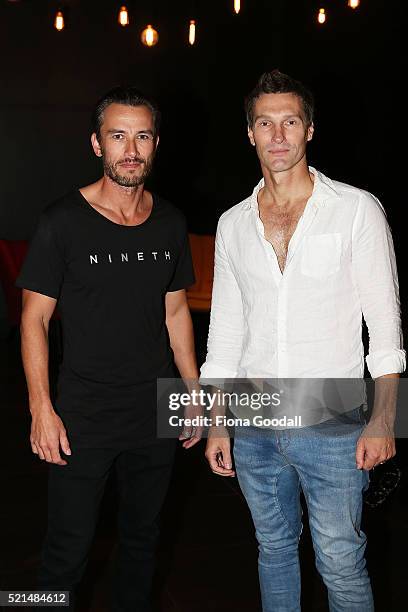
{"x": 278, "y": 82}
{"x": 129, "y": 96}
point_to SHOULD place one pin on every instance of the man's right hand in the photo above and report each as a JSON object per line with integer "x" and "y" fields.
{"x": 47, "y": 434}
{"x": 218, "y": 451}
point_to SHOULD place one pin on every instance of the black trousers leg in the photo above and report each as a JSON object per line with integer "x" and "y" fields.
{"x": 74, "y": 495}
{"x": 143, "y": 479}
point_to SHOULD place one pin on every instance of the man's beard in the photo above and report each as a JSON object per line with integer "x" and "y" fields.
{"x": 111, "y": 170}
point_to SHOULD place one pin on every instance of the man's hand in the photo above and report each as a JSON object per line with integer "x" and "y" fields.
{"x": 373, "y": 448}
{"x": 192, "y": 434}
{"x": 377, "y": 442}
{"x": 47, "y": 434}
{"x": 47, "y": 429}
{"x": 218, "y": 451}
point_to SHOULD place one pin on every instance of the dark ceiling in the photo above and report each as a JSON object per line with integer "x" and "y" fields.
{"x": 50, "y": 81}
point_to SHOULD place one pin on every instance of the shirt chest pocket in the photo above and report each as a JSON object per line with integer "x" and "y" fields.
{"x": 321, "y": 255}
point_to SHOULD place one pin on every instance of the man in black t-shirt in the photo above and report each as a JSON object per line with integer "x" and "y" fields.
{"x": 116, "y": 259}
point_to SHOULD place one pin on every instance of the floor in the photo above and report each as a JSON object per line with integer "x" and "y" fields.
{"x": 207, "y": 555}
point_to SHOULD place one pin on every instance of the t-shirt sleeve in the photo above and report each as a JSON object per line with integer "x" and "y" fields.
{"x": 43, "y": 267}
{"x": 184, "y": 273}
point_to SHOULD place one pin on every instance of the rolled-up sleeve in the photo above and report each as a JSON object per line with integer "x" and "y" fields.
{"x": 226, "y": 321}
{"x": 375, "y": 273}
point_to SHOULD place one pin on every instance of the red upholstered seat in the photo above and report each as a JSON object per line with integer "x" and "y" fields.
{"x": 12, "y": 254}
{"x": 202, "y": 250}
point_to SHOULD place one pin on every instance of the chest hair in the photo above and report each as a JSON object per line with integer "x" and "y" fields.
{"x": 279, "y": 227}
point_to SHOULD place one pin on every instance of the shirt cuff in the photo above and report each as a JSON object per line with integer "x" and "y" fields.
{"x": 384, "y": 362}
{"x": 215, "y": 375}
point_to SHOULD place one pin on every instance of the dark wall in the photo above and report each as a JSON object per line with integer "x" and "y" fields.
{"x": 50, "y": 81}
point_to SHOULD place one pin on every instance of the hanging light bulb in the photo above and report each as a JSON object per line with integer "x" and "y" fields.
{"x": 353, "y": 3}
{"x": 192, "y": 32}
{"x": 59, "y": 23}
{"x": 149, "y": 36}
{"x": 237, "y": 6}
{"x": 123, "y": 17}
{"x": 321, "y": 17}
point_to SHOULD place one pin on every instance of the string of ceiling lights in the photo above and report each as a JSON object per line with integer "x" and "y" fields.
{"x": 321, "y": 15}
{"x": 150, "y": 36}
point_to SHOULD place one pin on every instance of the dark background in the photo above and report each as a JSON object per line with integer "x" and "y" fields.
{"x": 50, "y": 81}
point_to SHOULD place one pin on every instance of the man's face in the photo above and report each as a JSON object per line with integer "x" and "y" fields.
{"x": 127, "y": 144}
{"x": 279, "y": 131}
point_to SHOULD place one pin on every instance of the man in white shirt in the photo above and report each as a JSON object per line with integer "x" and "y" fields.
{"x": 297, "y": 266}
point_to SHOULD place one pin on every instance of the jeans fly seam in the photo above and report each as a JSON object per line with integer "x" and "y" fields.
{"x": 282, "y": 447}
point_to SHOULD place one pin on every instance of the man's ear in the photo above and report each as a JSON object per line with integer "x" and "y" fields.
{"x": 157, "y": 142}
{"x": 251, "y": 136}
{"x": 96, "y": 146}
{"x": 310, "y": 131}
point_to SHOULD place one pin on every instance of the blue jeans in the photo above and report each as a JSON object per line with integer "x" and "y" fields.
{"x": 272, "y": 466}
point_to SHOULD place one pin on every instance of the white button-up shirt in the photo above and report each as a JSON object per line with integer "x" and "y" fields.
{"x": 306, "y": 321}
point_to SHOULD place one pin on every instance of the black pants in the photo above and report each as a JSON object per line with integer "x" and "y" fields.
{"x": 74, "y": 495}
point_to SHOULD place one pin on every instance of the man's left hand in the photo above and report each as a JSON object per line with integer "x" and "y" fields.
{"x": 373, "y": 449}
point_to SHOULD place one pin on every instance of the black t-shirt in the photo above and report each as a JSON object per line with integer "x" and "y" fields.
{"x": 110, "y": 281}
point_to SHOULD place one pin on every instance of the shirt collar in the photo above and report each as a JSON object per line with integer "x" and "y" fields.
{"x": 323, "y": 190}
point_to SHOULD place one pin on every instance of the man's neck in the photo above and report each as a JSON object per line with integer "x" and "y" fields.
{"x": 128, "y": 205}
{"x": 284, "y": 190}
{"x": 128, "y": 200}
